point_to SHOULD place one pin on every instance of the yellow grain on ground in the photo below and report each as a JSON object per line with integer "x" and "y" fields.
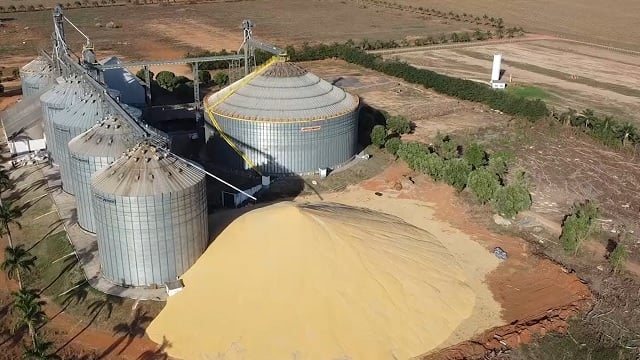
{"x": 316, "y": 281}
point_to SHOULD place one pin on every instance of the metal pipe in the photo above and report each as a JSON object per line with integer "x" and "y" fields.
{"x": 197, "y": 166}
{"x": 75, "y": 27}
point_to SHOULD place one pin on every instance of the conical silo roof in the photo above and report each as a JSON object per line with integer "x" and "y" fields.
{"x": 93, "y": 150}
{"x": 34, "y": 66}
{"x": 146, "y": 171}
{"x": 112, "y": 137}
{"x": 55, "y": 100}
{"x": 284, "y": 92}
{"x": 69, "y": 123}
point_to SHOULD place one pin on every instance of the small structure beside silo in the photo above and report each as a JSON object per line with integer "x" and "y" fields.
{"x": 284, "y": 120}
{"x": 150, "y": 216}
{"x": 91, "y": 151}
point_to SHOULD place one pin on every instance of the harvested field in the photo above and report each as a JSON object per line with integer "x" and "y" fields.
{"x": 576, "y": 76}
{"x": 615, "y": 23}
{"x": 431, "y": 112}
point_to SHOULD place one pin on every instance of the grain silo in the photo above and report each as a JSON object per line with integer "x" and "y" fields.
{"x": 286, "y": 120}
{"x": 69, "y": 123}
{"x": 35, "y": 76}
{"x": 150, "y": 216}
{"x": 55, "y": 100}
{"x": 91, "y": 151}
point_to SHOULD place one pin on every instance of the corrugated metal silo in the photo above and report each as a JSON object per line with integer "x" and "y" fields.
{"x": 35, "y": 77}
{"x": 150, "y": 216}
{"x": 287, "y": 120}
{"x": 134, "y": 112}
{"x": 56, "y": 100}
{"x": 91, "y": 151}
{"x": 69, "y": 123}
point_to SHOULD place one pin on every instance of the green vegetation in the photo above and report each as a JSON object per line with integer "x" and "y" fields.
{"x": 483, "y": 184}
{"x": 398, "y": 125}
{"x": 140, "y": 75}
{"x": 392, "y": 145}
{"x": 166, "y": 79}
{"x": 378, "y": 135}
{"x": 511, "y": 199}
{"x": 17, "y": 260}
{"x": 221, "y": 79}
{"x": 578, "y": 226}
{"x": 618, "y": 258}
{"x": 528, "y": 92}
{"x": 604, "y": 129}
{"x": 9, "y": 215}
{"x": 204, "y": 76}
{"x": 456, "y": 173}
{"x": 475, "y": 156}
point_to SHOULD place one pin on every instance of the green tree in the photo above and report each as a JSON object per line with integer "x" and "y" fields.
{"x": 498, "y": 165}
{"x": 578, "y": 226}
{"x": 5, "y": 181}
{"x": 618, "y": 258}
{"x": 398, "y": 125}
{"x": 17, "y": 260}
{"x": 475, "y": 155}
{"x": 432, "y": 165}
{"x": 40, "y": 350}
{"x": 31, "y": 315}
{"x": 166, "y": 79}
{"x": 411, "y": 152}
{"x": 456, "y": 173}
{"x": 204, "y": 76}
{"x": 9, "y": 215}
{"x": 446, "y": 147}
{"x": 511, "y": 199}
{"x": 221, "y": 78}
{"x": 140, "y": 75}
{"x": 378, "y": 135}
{"x": 483, "y": 184}
{"x": 392, "y": 145}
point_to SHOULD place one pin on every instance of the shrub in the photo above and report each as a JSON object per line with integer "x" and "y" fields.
{"x": 166, "y": 79}
{"x": 392, "y": 145}
{"x": 578, "y": 226}
{"x": 1, "y": 88}
{"x": 221, "y": 78}
{"x": 378, "y": 135}
{"x": 204, "y": 76}
{"x": 513, "y": 198}
{"x": 475, "y": 155}
{"x": 446, "y": 147}
{"x": 497, "y": 165}
{"x": 411, "y": 153}
{"x": 11, "y": 8}
{"x": 31, "y": 8}
{"x": 456, "y": 173}
{"x": 398, "y": 125}
{"x": 618, "y": 258}
{"x": 140, "y": 75}
{"x": 432, "y": 164}
{"x": 483, "y": 184}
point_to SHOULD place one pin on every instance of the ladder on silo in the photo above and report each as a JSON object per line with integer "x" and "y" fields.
{"x": 232, "y": 89}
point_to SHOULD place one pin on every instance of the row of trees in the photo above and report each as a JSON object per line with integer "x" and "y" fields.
{"x": 75, "y": 4}
{"x": 461, "y": 167}
{"x": 18, "y": 261}
{"x": 580, "y": 225}
{"x": 450, "y": 15}
{"x": 456, "y": 87}
{"x": 606, "y": 129}
{"x": 181, "y": 85}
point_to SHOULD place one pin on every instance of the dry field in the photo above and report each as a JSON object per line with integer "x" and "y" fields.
{"x": 612, "y": 22}
{"x": 572, "y": 75}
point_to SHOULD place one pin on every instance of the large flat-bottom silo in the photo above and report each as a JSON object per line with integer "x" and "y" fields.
{"x": 151, "y": 217}
{"x": 91, "y": 151}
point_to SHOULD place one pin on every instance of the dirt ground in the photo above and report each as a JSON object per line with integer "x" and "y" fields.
{"x": 585, "y": 19}
{"x": 572, "y": 75}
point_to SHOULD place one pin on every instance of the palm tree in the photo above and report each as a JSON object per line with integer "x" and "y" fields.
{"x": 31, "y": 315}
{"x": 627, "y": 132}
{"x": 5, "y": 181}
{"x": 26, "y": 296}
{"x": 41, "y": 350}
{"x": 16, "y": 260}
{"x": 588, "y": 116}
{"x": 9, "y": 215}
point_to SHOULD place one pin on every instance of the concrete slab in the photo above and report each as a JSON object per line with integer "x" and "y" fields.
{"x": 86, "y": 244}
